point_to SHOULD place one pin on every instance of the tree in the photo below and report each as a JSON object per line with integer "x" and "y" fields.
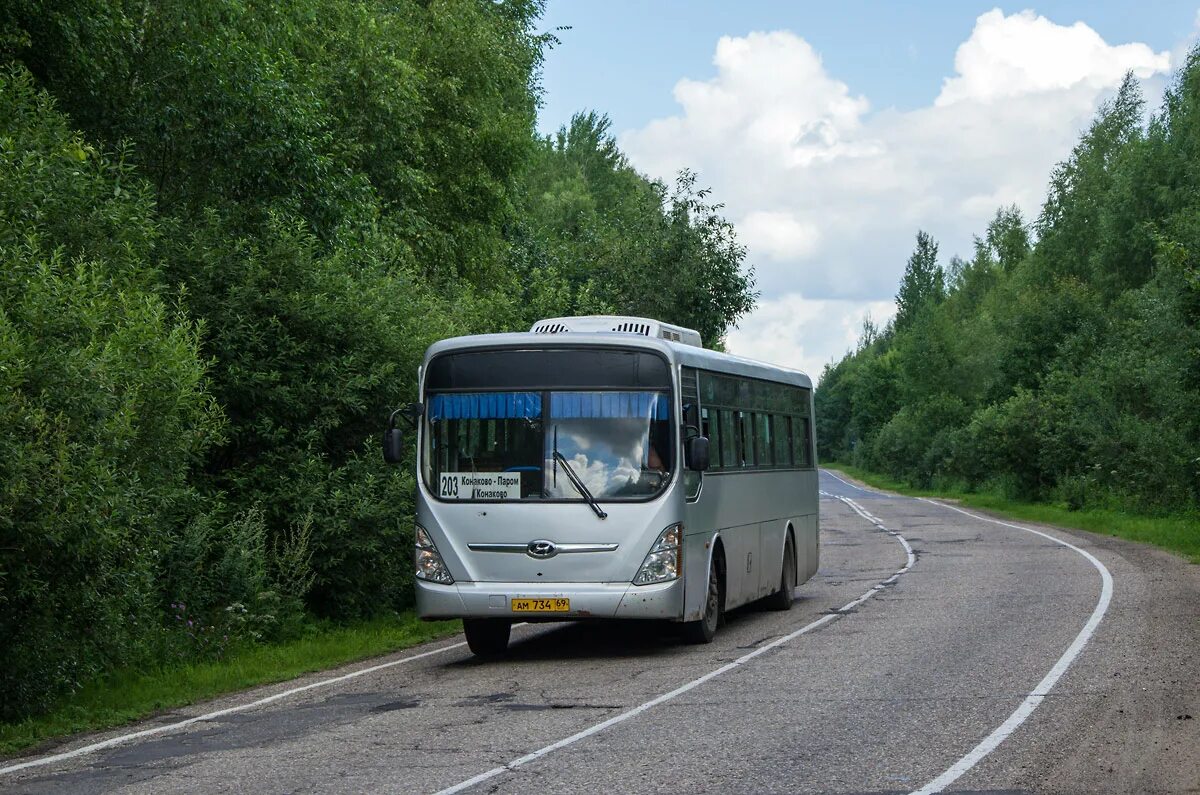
{"x": 624, "y": 243}
{"x": 923, "y": 282}
{"x": 105, "y": 410}
{"x": 202, "y": 334}
{"x": 1008, "y": 237}
{"x": 1070, "y": 227}
{"x": 1063, "y": 368}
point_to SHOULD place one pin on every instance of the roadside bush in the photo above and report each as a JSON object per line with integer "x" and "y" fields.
{"x": 103, "y": 408}
{"x": 917, "y": 441}
{"x": 216, "y": 575}
{"x": 1128, "y": 420}
{"x": 202, "y": 335}
{"x": 1002, "y": 442}
{"x": 310, "y": 352}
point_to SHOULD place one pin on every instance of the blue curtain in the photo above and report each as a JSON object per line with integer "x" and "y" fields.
{"x": 486, "y": 406}
{"x": 563, "y": 405}
{"x": 609, "y": 405}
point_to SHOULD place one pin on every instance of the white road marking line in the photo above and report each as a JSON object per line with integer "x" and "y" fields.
{"x": 1031, "y": 702}
{"x": 851, "y": 485}
{"x": 654, "y": 702}
{"x": 908, "y": 551}
{"x": 124, "y": 738}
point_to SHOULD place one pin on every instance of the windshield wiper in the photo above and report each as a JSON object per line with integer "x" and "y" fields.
{"x": 559, "y": 458}
{"x": 575, "y": 481}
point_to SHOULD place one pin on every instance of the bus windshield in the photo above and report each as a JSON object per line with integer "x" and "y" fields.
{"x": 496, "y": 446}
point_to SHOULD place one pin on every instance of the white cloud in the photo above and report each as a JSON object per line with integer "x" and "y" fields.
{"x": 1025, "y": 53}
{"x": 828, "y": 195}
{"x": 778, "y": 235}
{"x": 804, "y": 333}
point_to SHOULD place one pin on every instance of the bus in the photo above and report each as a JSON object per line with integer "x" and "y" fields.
{"x": 606, "y": 467}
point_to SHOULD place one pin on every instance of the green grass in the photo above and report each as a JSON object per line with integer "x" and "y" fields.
{"x": 1179, "y": 534}
{"x": 127, "y": 696}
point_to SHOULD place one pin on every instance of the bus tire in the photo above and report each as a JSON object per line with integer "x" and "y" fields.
{"x": 487, "y": 637}
{"x": 705, "y": 629}
{"x": 782, "y": 599}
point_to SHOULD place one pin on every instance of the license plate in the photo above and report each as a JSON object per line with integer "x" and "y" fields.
{"x": 554, "y": 605}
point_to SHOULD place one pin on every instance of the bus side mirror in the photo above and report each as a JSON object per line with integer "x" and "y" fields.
{"x": 696, "y": 452}
{"x": 393, "y": 439}
{"x": 411, "y": 413}
{"x": 393, "y": 445}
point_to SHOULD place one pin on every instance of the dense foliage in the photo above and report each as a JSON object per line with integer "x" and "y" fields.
{"x": 1062, "y": 362}
{"x": 213, "y": 293}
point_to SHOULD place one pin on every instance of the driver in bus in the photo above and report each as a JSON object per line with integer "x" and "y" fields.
{"x": 657, "y": 437}
{"x": 653, "y": 460}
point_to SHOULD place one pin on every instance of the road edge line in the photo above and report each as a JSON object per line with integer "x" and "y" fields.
{"x": 1042, "y": 689}
{"x": 124, "y": 738}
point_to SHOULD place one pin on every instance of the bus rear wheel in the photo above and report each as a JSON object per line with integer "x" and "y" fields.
{"x": 782, "y": 599}
{"x": 705, "y": 629}
{"x": 487, "y": 637}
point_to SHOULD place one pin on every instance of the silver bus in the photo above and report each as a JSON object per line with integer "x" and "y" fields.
{"x": 606, "y": 467}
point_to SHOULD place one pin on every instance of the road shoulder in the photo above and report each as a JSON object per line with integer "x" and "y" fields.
{"x": 1128, "y": 715}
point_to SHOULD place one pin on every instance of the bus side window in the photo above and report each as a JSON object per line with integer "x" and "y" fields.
{"x": 762, "y": 440}
{"x": 781, "y": 432}
{"x": 727, "y": 434}
{"x": 802, "y": 442}
{"x": 710, "y": 428}
{"x": 739, "y": 438}
{"x": 808, "y": 456}
{"x": 749, "y": 458}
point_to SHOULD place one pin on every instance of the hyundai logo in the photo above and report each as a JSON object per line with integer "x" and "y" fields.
{"x": 541, "y": 549}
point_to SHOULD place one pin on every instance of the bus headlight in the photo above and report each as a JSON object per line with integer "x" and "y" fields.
{"x": 429, "y": 563}
{"x": 664, "y": 560}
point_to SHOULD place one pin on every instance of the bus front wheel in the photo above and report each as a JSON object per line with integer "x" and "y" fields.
{"x": 487, "y": 637}
{"x": 705, "y": 629}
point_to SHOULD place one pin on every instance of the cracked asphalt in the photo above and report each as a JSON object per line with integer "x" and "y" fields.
{"x": 882, "y": 698}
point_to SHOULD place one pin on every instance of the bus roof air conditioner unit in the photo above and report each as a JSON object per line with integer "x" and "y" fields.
{"x": 618, "y": 324}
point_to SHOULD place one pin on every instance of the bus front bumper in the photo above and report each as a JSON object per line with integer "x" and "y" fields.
{"x": 588, "y": 600}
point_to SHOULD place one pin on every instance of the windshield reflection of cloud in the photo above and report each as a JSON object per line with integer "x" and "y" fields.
{"x": 601, "y": 477}
{"x": 606, "y": 455}
{"x": 594, "y": 474}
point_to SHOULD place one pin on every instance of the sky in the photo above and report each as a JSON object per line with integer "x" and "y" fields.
{"x": 833, "y": 132}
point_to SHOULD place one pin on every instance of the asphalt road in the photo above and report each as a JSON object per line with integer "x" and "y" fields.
{"x": 991, "y": 651}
